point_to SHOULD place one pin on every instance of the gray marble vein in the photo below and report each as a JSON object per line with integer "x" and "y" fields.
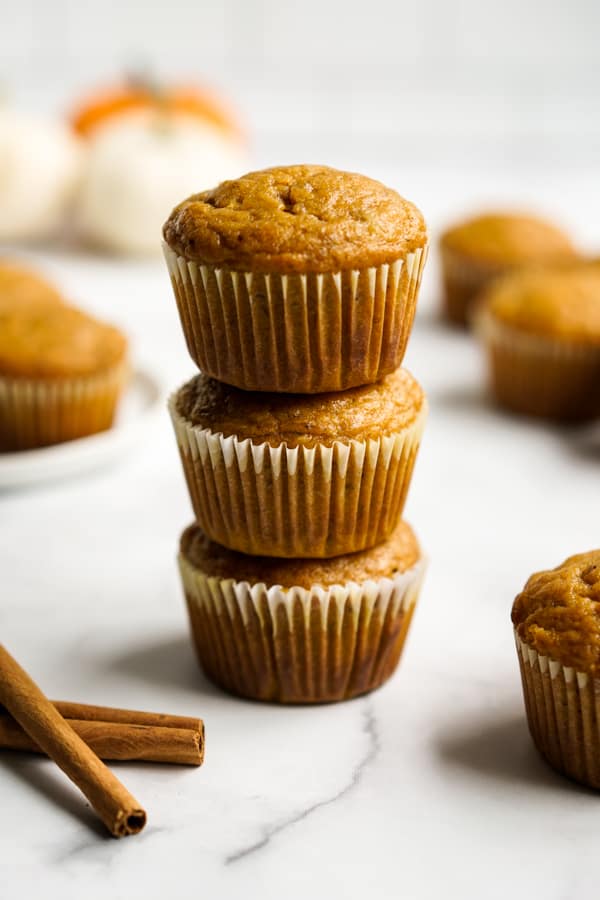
{"x": 369, "y": 727}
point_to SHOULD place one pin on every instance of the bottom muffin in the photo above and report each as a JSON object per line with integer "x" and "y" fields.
{"x": 557, "y": 628}
{"x": 300, "y": 630}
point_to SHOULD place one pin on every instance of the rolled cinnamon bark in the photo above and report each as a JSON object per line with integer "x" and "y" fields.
{"x": 88, "y": 713}
{"x": 118, "y": 809}
{"x": 118, "y": 740}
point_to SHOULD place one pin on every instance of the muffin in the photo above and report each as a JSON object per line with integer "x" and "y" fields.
{"x": 298, "y": 475}
{"x": 541, "y": 332}
{"x": 61, "y": 373}
{"x": 299, "y": 279}
{"x": 557, "y": 627}
{"x": 19, "y": 287}
{"x": 300, "y": 631}
{"x": 477, "y": 251}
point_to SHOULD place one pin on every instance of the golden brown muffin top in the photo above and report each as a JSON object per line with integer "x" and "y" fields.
{"x": 360, "y": 413}
{"x": 296, "y": 219}
{"x": 20, "y": 286}
{"x": 398, "y": 554}
{"x": 502, "y": 239}
{"x": 558, "y": 613}
{"x": 561, "y": 303}
{"x": 56, "y": 341}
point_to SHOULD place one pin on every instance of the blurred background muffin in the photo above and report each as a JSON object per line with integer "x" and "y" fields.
{"x": 482, "y": 248}
{"x": 540, "y": 329}
{"x": 61, "y": 371}
{"x": 21, "y": 286}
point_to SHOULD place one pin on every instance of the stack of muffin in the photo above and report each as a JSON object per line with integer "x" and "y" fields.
{"x": 296, "y": 289}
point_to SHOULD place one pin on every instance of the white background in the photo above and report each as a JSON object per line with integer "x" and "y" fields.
{"x": 429, "y": 787}
{"x": 435, "y": 80}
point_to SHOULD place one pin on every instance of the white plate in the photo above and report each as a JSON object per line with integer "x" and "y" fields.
{"x": 141, "y": 402}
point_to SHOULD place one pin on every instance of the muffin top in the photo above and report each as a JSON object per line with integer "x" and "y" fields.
{"x": 303, "y": 420}
{"x": 558, "y": 613}
{"x": 296, "y": 219}
{"x": 561, "y": 303}
{"x": 56, "y": 341}
{"x": 509, "y": 240}
{"x": 20, "y": 286}
{"x": 398, "y": 554}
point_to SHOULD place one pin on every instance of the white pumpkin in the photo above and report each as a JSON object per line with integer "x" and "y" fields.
{"x": 40, "y": 162}
{"x": 139, "y": 167}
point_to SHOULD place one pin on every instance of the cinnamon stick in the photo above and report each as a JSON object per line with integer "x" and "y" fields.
{"x": 89, "y": 713}
{"x": 118, "y": 740}
{"x": 118, "y": 809}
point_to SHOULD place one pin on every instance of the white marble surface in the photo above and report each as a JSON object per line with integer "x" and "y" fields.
{"x": 427, "y": 788}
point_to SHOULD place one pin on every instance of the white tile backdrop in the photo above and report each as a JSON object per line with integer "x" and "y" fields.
{"x": 466, "y": 82}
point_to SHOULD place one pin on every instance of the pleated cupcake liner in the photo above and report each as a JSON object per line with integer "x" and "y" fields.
{"x": 298, "y": 645}
{"x": 43, "y": 411}
{"x": 540, "y": 376}
{"x": 563, "y": 712}
{"x": 463, "y": 280}
{"x": 296, "y": 502}
{"x": 298, "y": 333}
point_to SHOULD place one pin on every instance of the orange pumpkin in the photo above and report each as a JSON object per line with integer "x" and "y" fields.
{"x": 95, "y": 111}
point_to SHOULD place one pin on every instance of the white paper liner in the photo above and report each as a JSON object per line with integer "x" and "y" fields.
{"x": 563, "y": 711}
{"x": 281, "y": 501}
{"x": 39, "y": 412}
{"x": 299, "y": 645}
{"x": 305, "y": 333}
{"x": 539, "y": 375}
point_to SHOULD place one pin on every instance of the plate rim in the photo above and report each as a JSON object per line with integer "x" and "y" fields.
{"x": 18, "y": 462}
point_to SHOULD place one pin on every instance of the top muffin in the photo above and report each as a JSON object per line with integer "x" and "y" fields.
{"x": 509, "y": 240}
{"x": 296, "y": 219}
{"x": 561, "y": 303}
{"x": 558, "y": 613}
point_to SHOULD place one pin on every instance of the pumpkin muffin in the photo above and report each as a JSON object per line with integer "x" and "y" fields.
{"x": 541, "y": 331}
{"x": 299, "y": 279}
{"x": 557, "y": 627}
{"x": 20, "y": 286}
{"x": 478, "y": 250}
{"x": 61, "y": 373}
{"x": 298, "y": 475}
{"x": 300, "y": 631}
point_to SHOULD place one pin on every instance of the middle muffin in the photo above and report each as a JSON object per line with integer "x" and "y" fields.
{"x": 299, "y": 475}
